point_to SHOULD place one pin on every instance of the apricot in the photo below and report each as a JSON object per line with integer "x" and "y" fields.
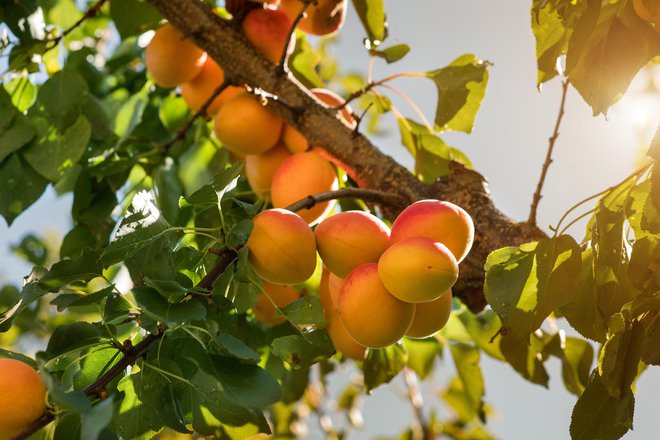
{"x": 299, "y": 176}
{"x": 268, "y": 29}
{"x": 430, "y": 317}
{"x": 271, "y": 296}
{"x": 171, "y": 59}
{"x": 22, "y": 397}
{"x": 245, "y": 126}
{"x": 372, "y": 315}
{"x": 334, "y": 287}
{"x": 349, "y": 239}
{"x": 324, "y": 18}
{"x": 438, "y": 220}
{"x": 281, "y": 247}
{"x": 260, "y": 168}
{"x": 418, "y": 269}
{"x": 294, "y": 140}
{"x": 199, "y": 89}
{"x": 644, "y": 11}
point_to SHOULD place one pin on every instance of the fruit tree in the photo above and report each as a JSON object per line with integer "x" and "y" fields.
{"x": 238, "y": 239}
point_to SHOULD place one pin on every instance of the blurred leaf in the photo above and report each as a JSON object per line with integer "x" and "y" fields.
{"x": 66, "y": 300}
{"x": 302, "y": 352}
{"x": 467, "y": 359}
{"x": 372, "y": 16}
{"x": 599, "y": 416}
{"x": 422, "y": 354}
{"x": 30, "y": 293}
{"x": 95, "y": 420}
{"x": 142, "y": 16}
{"x": 483, "y": 328}
{"x": 394, "y": 53}
{"x": 576, "y": 356}
{"x": 131, "y": 111}
{"x": 456, "y": 397}
{"x": 17, "y": 135}
{"x": 304, "y": 61}
{"x": 6, "y": 354}
{"x": 173, "y": 112}
{"x": 63, "y": 97}
{"x": 551, "y": 38}
{"x": 381, "y": 365}
{"x": 21, "y": 187}
{"x": 23, "y": 93}
{"x": 461, "y": 88}
{"x": 525, "y": 357}
{"x": 32, "y": 249}
{"x": 651, "y": 348}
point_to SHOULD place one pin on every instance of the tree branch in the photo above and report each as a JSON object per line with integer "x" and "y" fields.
{"x": 375, "y": 170}
{"x": 548, "y": 157}
{"x": 132, "y": 354}
{"x": 368, "y": 195}
{"x": 91, "y": 12}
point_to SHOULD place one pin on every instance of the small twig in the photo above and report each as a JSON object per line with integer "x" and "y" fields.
{"x": 368, "y": 195}
{"x": 371, "y": 84}
{"x": 181, "y": 133}
{"x": 356, "y": 130}
{"x": 131, "y": 353}
{"x": 281, "y": 66}
{"x": 91, "y": 12}
{"x": 420, "y": 431}
{"x": 548, "y": 157}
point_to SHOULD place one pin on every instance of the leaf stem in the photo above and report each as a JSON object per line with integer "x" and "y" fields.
{"x": 281, "y": 66}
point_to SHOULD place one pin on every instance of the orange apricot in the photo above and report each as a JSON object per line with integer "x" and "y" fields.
{"x": 282, "y": 247}
{"x": 324, "y": 17}
{"x": 438, "y": 220}
{"x": 271, "y": 296}
{"x": 349, "y": 239}
{"x": 268, "y": 29}
{"x": 299, "y": 176}
{"x": 245, "y": 126}
{"x": 430, "y": 317}
{"x": 334, "y": 287}
{"x": 199, "y": 89}
{"x": 372, "y": 316}
{"x": 22, "y": 397}
{"x": 418, "y": 269}
{"x": 171, "y": 59}
{"x": 294, "y": 140}
{"x": 260, "y": 168}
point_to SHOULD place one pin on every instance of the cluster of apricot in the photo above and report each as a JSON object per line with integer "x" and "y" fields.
{"x": 378, "y": 284}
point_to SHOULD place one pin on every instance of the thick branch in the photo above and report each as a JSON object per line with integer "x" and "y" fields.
{"x": 323, "y": 127}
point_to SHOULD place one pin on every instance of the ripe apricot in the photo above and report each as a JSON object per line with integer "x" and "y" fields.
{"x": 199, "y": 89}
{"x": 334, "y": 287}
{"x": 430, "y": 317}
{"x": 299, "y": 176}
{"x": 264, "y": 310}
{"x": 438, "y": 220}
{"x": 171, "y": 59}
{"x": 245, "y": 126}
{"x": 323, "y": 18}
{"x": 268, "y": 29}
{"x": 294, "y": 140}
{"x": 349, "y": 239}
{"x": 373, "y": 316}
{"x": 22, "y": 397}
{"x": 282, "y": 247}
{"x": 260, "y": 168}
{"x": 418, "y": 269}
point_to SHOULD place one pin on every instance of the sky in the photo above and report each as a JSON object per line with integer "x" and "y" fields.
{"x": 508, "y": 146}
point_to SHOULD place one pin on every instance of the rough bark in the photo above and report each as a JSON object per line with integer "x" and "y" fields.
{"x": 244, "y": 64}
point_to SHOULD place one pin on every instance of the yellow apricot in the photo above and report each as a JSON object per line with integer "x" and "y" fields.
{"x": 264, "y": 310}
{"x": 322, "y": 18}
{"x": 349, "y": 239}
{"x": 199, "y": 89}
{"x": 418, "y": 269}
{"x": 372, "y": 316}
{"x": 268, "y": 29}
{"x": 299, "y": 176}
{"x": 260, "y": 168}
{"x": 22, "y": 397}
{"x": 171, "y": 59}
{"x": 334, "y": 287}
{"x": 282, "y": 247}
{"x": 294, "y": 140}
{"x": 245, "y": 126}
{"x": 430, "y": 317}
{"x": 438, "y": 220}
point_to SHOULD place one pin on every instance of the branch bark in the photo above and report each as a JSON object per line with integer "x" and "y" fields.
{"x": 323, "y": 127}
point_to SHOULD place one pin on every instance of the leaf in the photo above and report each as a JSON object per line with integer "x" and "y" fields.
{"x": 85, "y": 268}
{"x": 16, "y": 136}
{"x": 63, "y": 97}
{"x": 456, "y": 397}
{"x": 53, "y": 152}
{"x": 306, "y": 312}
{"x": 466, "y": 359}
{"x": 525, "y": 357}
{"x": 142, "y": 16}
{"x": 173, "y": 112}
{"x": 237, "y": 348}
{"x": 130, "y": 113}
{"x": 599, "y": 416}
{"x": 304, "y": 61}
{"x": 66, "y": 300}
{"x": 620, "y": 356}
{"x": 30, "y": 293}
{"x": 21, "y": 187}
{"x": 372, "y": 16}
{"x": 394, "y": 53}
{"x": 135, "y": 420}
{"x": 211, "y": 195}
{"x": 461, "y": 88}
{"x": 381, "y": 365}
{"x": 23, "y": 92}
{"x": 171, "y": 290}
{"x": 95, "y": 421}
{"x": 551, "y": 39}
{"x": 6, "y": 354}
{"x": 67, "y": 338}
{"x": 483, "y": 329}
{"x": 422, "y": 354}
{"x": 606, "y": 50}
{"x": 157, "y": 307}
{"x": 525, "y": 284}
{"x": 650, "y": 347}
{"x": 302, "y": 352}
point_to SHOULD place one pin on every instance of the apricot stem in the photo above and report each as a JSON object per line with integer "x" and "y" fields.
{"x": 281, "y": 66}
{"x": 368, "y": 195}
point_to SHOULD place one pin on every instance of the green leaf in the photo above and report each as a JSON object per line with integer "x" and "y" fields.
{"x": 619, "y": 357}
{"x": 67, "y": 338}
{"x": 171, "y": 290}
{"x": 302, "y": 352}
{"x": 32, "y": 249}
{"x": 157, "y": 307}
{"x": 306, "y": 312}
{"x": 63, "y": 97}
{"x": 21, "y": 187}
{"x": 466, "y": 359}
{"x": 525, "y": 357}
{"x": 16, "y": 136}
{"x": 135, "y": 419}
{"x": 30, "y": 293}
{"x": 237, "y": 348}
{"x": 372, "y": 16}
{"x": 576, "y": 356}
{"x": 525, "y": 284}
{"x": 53, "y": 152}
{"x": 95, "y": 421}
{"x": 173, "y": 112}
{"x": 381, "y": 365}
{"x": 211, "y": 195}
{"x": 394, "y": 53}
{"x": 130, "y": 114}
{"x": 551, "y": 39}
{"x": 461, "y": 88}
{"x": 651, "y": 348}
{"x": 483, "y": 329}
{"x": 6, "y": 354}
{"x": 94, "y": 364}
{"x": 133, "y": 17}
{"x": 68, "y": 427}
{"x": 23, "y": 92}
{"x": 422, "y": 354}
{"x": 85, "y": 268}
{"x": 66, "y": 300}
{"x": 457, "y": 398}
{"x": 599, "y": 416}
{"x": 304, "y": 62}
